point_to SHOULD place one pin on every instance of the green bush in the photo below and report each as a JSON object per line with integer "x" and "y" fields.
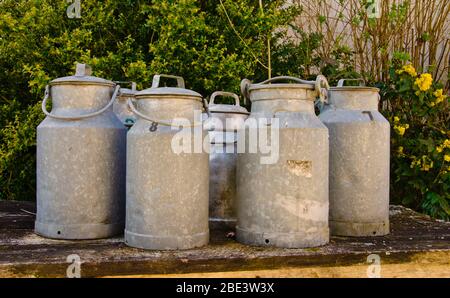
{"x": 419, "y": 114}
{"x": 212, "y": 44}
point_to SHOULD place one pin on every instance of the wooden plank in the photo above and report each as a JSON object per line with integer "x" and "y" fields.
{"x": 413, "y": 236}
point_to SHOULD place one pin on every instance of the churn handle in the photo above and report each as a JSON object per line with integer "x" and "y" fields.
{"x": 322, "y": 87}
{"x": 341, "y": 82}
{"x": 132, "y": 84}
{"x": 321, "y": 84}
{"x": 283, "y": 78}
{"x": 245, "y": 84}
{"x": 157, "y": 78}
{"x": 224, "y": 94}
{"x": 47, "y": 95}
{"x": 157, "y": 122}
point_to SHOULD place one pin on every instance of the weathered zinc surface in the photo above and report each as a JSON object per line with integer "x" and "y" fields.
{"x": 417, "y": 246}
{"x": 80, "y": 160}
{"x": 359, "y": 161}
{"x": 285, "y": 203}
{"x": 167, "y": 190}
{"x": 223, "y": 123}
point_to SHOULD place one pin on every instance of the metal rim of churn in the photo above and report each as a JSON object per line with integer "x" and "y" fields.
{"x": 155, "y": 92}
{"x": 82, "y": 77}
{"x": 320, "y": 85}
{"x": 361, "y": 87}
{"x": 226, "y": 108}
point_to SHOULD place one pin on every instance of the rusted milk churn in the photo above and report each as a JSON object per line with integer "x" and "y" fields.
{"x": 80, "y": 160}
{"x": 223, "y": 123}
{"x": 359, "y": 161}
{"x": 167, "y": 188}
{"x": 120, "y": 106}
{"x": 284, "y": 202}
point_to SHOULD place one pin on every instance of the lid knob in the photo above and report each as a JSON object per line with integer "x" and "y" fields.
{"x": 83, "y": 70}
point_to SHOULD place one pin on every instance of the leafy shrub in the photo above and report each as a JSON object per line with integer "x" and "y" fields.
{"x": 212, "y": 44}
{"x": 419, "y": 114}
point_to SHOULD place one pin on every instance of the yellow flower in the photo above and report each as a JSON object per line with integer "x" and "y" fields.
{"x": 409, "y": 69}
{"x": 396, "y": 119}
{"x": 415, "y": 162}
{"x": 424, "y": 81}
{"x": 426, "y": 166}
{"x": 447, "y": 157}
{"x": 439, "y": 94}
{"x": 446, "y": 143}
{"x": 400, "y": 149}
{"x": 400, "y": 129}
{"x": 439, "y": 149}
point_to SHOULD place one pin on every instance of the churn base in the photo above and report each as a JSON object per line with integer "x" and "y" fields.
{"x": 166, "y": 243}
{"x": 78, "y": 231}
{"x": 357, "y": 229}
{"x": 320, "y": 236}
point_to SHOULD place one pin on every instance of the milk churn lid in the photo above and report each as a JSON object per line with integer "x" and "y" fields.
{"x": 320, "y": 85}
{"x": 82, "y": 76}
{"x": 268, "y": 84}
{"x": 362, "y": 86}
{"x": 156, "y": 91}
{"x": 226, "y": 108}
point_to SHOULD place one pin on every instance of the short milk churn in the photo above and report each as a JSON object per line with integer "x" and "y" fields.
{"x": 283, "y": 201}
{"x": 359, "y": 161}
{"x": 167, "y": 169}
{"x": 80, "y": 160}
{"x": 120, "y": 106}
{"x": 223, "y": 123}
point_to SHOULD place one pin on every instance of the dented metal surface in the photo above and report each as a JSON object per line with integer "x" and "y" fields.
{"x": 223, "y": 123}
{"x": 359, "y": 162}
{"x": 167, "y": 193}
{"x": 285, "y": 204}
{"x": 80, "y": 160}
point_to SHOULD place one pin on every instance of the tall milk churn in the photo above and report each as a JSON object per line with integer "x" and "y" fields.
{"x": 167, "y": 174}
{"x": 359, "y": 161}
{"x": 223, "y": 123}
{"x": 284, "y": 202}
{"x": 80, "y": 160}
{"x": 120, "y": 106}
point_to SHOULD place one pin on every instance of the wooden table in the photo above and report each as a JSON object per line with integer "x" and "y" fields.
{"x": 417, "y": 247}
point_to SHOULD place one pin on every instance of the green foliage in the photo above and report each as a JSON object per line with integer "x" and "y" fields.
{"x": 420, "y": 141}
{"x": 212, "y": 44}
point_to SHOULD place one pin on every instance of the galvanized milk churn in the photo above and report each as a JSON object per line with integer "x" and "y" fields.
{"x": 80, "y": 160}
{"x": 223, "y": 123}
{"x": 359, "y": 161}
{"x": 167, "y": 188}
{"x": 284, "y": 202}
{"x": 120, "y": 106}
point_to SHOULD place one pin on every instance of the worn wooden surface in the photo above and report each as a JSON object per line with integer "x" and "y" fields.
{"x": 416, "y": 247}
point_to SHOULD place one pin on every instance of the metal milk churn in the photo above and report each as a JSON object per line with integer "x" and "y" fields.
{"x": 120, "y": 106}
{"x": 284, "y": 202}
{"x": 223, "y": 123}
{"x": 167, "y": 187}
{"x": 80, "y": 160}
{"x": 359, "y": 161}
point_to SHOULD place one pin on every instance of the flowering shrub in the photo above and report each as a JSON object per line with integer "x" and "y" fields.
{"x": 419, "y": 114}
